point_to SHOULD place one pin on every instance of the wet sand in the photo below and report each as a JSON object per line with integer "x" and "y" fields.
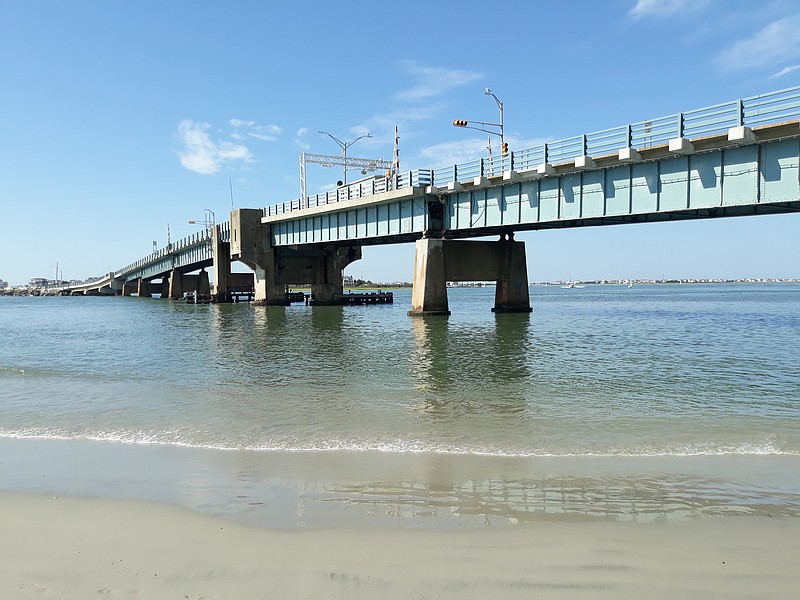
{"x": 68, "y": 547}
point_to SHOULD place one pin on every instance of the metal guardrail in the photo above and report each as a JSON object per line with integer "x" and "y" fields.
{"x": 196, "y": 239}
{"x": 772, "y": 107}
{"x": 359, "y": 189}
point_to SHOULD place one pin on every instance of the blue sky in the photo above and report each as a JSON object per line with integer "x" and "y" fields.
{"x": 119, "y": 118}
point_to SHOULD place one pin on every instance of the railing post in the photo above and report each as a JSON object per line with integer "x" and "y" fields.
{"x": 546, "y": 152}
{"x": 630, "y": 136}
{"x": 585, "y": 150}
{"x": 740, "y": 111}
{"x": 680, "y": 125}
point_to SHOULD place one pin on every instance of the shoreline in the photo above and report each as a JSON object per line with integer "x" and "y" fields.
{"x": 306, "y": 491}
{"x": 68, "y": 547}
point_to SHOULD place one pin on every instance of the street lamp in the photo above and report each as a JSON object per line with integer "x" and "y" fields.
{"x": 489, "y": 92}
{"x": 209, "y": 219}
{"x": 482, "y": 125}
{"x": 344, "y": 146}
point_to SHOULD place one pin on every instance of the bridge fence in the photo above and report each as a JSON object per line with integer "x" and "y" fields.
{"x": 772, "y": 107}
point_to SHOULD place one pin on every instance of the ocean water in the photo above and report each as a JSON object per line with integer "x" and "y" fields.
{"x": 605, "y": 402}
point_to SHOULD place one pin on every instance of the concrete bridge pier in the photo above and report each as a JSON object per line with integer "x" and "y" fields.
{"x": 221, "y": 268}
{"x": 127, "y": 288}
{"x": 203, "y": 284}
{"x": 328, "y": 287}
{"x": 438, "y": 261}
{"x": 429, "y": 294}
{"x": 143, "y": 288}
{"x": 164, "y": 286}
{"x": 511, "y": 291}
{"x": 175, "y": 287}
{"x": 250, "y": 244}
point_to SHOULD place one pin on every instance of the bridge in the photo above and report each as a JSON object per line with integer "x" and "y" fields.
{"x": 732, "y": 159}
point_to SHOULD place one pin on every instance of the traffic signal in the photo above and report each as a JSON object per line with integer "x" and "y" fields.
{"x": 504, "y": 148}
{"x": 459, "y": 123}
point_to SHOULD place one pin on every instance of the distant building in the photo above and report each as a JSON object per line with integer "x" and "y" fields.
{"x": 3, "y": 284}
{"x": 38, "y": 282}
{"x": 347, "y": 280}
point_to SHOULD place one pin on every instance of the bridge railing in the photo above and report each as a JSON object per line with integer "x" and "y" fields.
{"x": 773, "y": 107}
{"x": 358, "y": 189}
{"x": 196, "y": 239}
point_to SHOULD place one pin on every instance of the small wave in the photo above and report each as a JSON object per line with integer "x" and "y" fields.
{"x": 403, "y": 446}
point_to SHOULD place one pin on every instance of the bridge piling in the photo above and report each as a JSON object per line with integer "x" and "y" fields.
{"x": 175, "y": 291}
{"x": 221, "y": 267}
{"x": 250, "y": 244}
{"x": 143, "y": 288}
{"x": 438, "y": 261}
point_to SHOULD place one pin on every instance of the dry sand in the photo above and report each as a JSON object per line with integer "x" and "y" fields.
{"x": 64, "y": 547}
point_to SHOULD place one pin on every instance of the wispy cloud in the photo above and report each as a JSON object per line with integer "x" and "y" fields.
{"x": 203, "y": 155}
{"x": 778, "y": 42}
{"x": 433, "y": 81}
{"x": 665, "y": 8}
{"x": 244, "y": 129}
{"x": 300, "y": 140}
{"x": 785, "y": 71}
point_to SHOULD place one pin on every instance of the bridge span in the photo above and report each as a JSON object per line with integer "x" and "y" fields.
{"x": 733, "y": 159}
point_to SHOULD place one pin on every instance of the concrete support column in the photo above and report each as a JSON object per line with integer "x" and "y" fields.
{"x": 250, "y": 244}
{"x": 175, "y": 285}
{"x": 328, "y": 288}
{"x": 438, "y": 261}
{"x": 165, "y": 285}
{"x": 221, "y": 252}
{"x": 511, "y": 293}
{"x": 143, "y": 288}
{"x": 266, "y": 291}
{"x": 429, "y": 294}
{"x": 203, "y": 285}
{"x": 127, "y": 288}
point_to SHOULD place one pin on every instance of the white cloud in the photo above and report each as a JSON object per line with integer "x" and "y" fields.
{"x": 203, "y": 155}
{"x": 778, "y": 42}
{"x": 785, "y": 71}
{"x": 664, "y": 8}
{"x": 433, "y": 81}
{"x": 265, "y": 133}
{"x": 302, "y": 131}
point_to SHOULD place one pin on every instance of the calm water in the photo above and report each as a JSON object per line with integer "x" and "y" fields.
{"x": 605, "y": 373}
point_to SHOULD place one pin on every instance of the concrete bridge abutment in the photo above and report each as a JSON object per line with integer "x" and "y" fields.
{"x": 438, "y": 261}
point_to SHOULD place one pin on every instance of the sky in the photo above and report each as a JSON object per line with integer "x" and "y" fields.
{"x": 121, "y": 121}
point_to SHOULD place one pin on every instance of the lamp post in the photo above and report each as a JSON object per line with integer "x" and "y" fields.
{"x": 344, "y": 146}
{"x": 489, "y": 92}
{"x": 484, "y": 126}
{"x": 209, "y": 219}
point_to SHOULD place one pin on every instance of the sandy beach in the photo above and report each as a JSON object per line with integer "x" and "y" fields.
{"x": 67, "y": 547}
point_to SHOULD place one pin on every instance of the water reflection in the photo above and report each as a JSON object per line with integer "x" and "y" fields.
{"x": 448, "y": 496}
{"x": 479, "y": 367}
